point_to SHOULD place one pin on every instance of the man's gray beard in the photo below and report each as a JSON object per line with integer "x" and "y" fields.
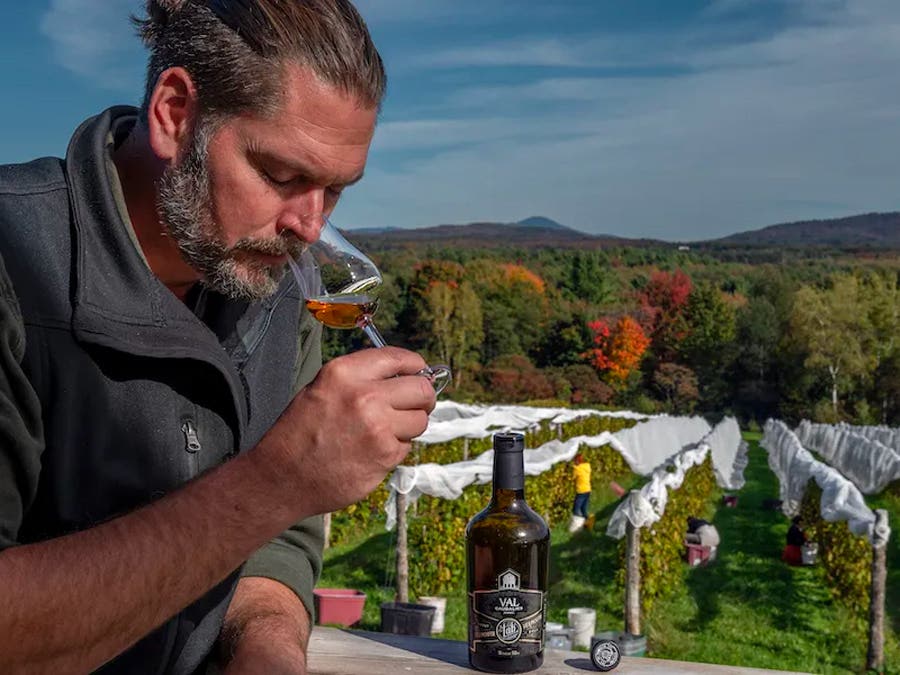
{"x": 184, "y": 206}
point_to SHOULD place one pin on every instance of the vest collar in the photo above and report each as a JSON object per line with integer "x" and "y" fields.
{"x": 117, "y": 301}
{"x": 113, "y": 287}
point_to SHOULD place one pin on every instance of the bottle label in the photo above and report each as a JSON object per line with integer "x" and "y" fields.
{"x": 508, "y": 620}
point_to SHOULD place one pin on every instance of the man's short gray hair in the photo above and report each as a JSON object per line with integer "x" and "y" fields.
{"x": 236, "y": 50}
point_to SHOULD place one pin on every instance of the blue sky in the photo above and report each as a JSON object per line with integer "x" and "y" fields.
{"x": 674, "y": 119}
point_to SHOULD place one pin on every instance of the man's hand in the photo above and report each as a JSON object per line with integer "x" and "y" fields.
{"x": 352, "y": 425}
{"x": 266, "y": 631}
{"x": 332, "y": 446}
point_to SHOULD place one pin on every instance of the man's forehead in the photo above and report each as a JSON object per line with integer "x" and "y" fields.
{"x": 316, "y": 127}
{"x": 309, "y": 103}
{"x": 323, "y": 163}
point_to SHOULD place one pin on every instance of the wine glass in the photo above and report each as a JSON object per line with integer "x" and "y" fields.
{"x": 341, "y": 287}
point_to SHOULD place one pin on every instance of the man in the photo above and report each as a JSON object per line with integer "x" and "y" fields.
{"x": 151, "y": 346}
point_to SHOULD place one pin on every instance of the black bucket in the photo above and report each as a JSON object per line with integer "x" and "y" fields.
{"x": 404, "y": 618}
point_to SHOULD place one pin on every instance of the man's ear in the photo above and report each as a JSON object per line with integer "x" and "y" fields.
{"x": 172, "y": 114}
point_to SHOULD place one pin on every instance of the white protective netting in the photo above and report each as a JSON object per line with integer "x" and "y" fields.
{"x": 868, "y": 463}
{"x": 645, "y": 507}
{"x": 450, "y": 420}
{"x": 885, "y": 435}
{"x": 655, "y": 440}
{"x": 795, "y": 466}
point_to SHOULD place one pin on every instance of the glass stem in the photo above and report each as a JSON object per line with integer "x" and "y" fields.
{"x": 371, "y": 332}
{"x": 439, "y": 376}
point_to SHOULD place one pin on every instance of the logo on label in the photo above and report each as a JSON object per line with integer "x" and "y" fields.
{"x": 509, "y": 581}
{"x": 509, "y": 631}
{"x": 510, "y": 604}
{"x": 506, "y": 620}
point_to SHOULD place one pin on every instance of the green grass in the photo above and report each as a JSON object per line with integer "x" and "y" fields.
{"x": 745, "y": 609}
{"x": 749, "y": 609}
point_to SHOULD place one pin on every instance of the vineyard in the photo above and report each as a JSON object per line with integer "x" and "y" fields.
{"x": 807, "y": 606}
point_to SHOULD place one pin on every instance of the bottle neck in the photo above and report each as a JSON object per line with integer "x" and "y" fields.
{"x": 509, "y": 478}
{"x": 505, "y": 498}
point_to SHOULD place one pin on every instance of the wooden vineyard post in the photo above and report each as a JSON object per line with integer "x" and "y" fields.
{"x": 416, "y": 449}
{"x": 402, "y": 552}
{"x": 632, "y": 578}
{"x": 875, "y": 656}
{"x": 326, "y": 522}
{"x": 465, "y": 449}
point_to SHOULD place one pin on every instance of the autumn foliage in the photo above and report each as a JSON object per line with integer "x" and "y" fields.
{"x": 662, "y": 304}
{"x": 619, "y": 349}
{"x": 519, "y": 274}
{"x": 760, "y": 332}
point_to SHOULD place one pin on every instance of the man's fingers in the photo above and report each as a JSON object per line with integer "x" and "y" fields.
{"x": 383, "y": 363}
{"x": 410, "y": 392}
{"x": 410, "y": 424}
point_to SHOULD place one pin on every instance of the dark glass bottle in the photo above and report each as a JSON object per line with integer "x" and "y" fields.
{"x": 508, "y": 558}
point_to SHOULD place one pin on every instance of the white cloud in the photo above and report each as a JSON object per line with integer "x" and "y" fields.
{"x": 803, "y": 124}
{"x": 730, "y": 133}
{"x": 93, "y": 39}
{"x": 444, "y": 12}
{"x": 613, "y": 51}
{"x": 548, "y": 52}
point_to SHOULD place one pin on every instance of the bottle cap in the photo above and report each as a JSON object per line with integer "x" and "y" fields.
{"x": 509, "y": 442}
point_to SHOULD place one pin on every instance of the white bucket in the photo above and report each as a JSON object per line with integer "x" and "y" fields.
{"x": 583, "y": 622}
{"x": 809, "y": 553}
{"x": 440, "y": 605}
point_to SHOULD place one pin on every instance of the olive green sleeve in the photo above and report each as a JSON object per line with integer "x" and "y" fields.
{"x": 294, "y": 558}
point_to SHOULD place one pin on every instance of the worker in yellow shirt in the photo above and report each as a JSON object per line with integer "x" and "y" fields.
{"x": 581, "y": 472}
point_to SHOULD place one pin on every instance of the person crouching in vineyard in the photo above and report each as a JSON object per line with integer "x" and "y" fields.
{"x": 796, "y": 538}
{"x": 581, "y": 473}
{"x": 704, "y": 533}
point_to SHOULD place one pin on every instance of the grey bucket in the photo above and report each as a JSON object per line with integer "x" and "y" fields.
{"x": 406, "y": 618}
{"x": 560, "y": 640}
{"x": 633, "y": 645}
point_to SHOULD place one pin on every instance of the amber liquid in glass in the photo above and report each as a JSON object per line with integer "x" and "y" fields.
{"x": 343, "y": 310}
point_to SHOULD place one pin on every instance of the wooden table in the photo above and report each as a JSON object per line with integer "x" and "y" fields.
{"x": 342, "y": 652}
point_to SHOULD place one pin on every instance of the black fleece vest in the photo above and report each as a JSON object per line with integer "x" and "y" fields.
{"x": 138, "y": 395}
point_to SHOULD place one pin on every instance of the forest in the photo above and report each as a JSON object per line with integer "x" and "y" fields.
{"x": 750, "y": 332}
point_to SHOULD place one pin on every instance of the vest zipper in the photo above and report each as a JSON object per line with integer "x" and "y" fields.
{"x": 191, "y": 440}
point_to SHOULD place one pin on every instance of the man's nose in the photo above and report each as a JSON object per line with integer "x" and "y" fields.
{"x": 304, "y": 215}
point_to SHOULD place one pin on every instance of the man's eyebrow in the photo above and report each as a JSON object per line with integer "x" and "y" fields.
{"x": 298, "y": 166}
{"x": 354, "y": 181}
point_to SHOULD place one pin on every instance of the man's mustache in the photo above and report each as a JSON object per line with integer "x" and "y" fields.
{"x": 285, "y": 244}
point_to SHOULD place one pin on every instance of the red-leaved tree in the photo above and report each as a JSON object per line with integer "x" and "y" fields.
{"x": 662, "y": 304}
{"x": 619, "y": 349}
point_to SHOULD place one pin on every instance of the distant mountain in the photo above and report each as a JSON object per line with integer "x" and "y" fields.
{"x": 534, "y": 232}
{"x": 372, "y": 230}
{"x": 541, "y": 222}
{"x": 870, "y": 230}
